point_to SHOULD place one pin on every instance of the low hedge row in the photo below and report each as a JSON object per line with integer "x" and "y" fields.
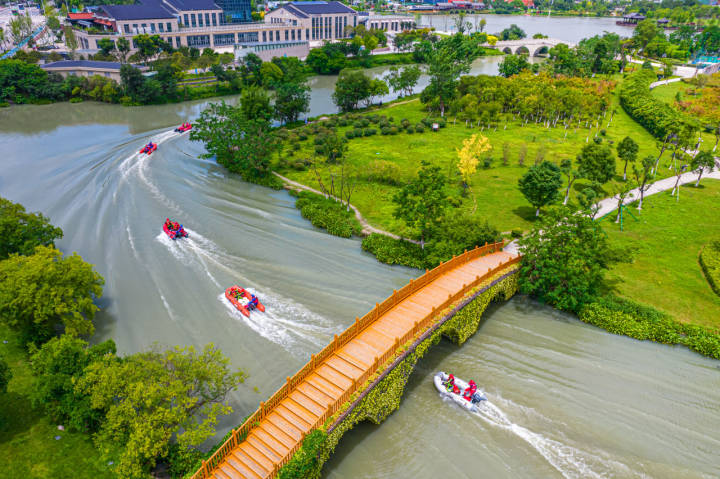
{"x": 391, "y": 251}
{"x": 305, "y": 461}
{"x": 710, "y": 264}
{"x": 656, "y": 116}
{"x": 327, "y": 214}
{"x": 623, "y": 316}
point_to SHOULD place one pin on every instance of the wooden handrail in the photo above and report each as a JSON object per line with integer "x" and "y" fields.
{"x": 346, "y": 336}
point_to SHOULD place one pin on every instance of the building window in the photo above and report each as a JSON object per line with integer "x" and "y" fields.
{"x": 344, "y": 25}
{"x": 143, "y": 26}
{"x": 200, "y": 22}
{"x": 127, "y": 28}
{"x": 192, "y": 20}
{"x": 169, "y": 26}
{"x": 187, "y": 22}
{"x": 307, "y": 33}
{"x": 214, "y": 17}
{"x": 248, "y": 37}
{"x": 264, "y": 37}
{"x": 198, "y": 41}
{"x": 135, "y": 28}
{"x": 224, "y": 39}
{"x": 207, "y": 19}
{"x": 328, "y": 27}
{"x": 286, "y": 35}
{"x": 177, "y": 42}
{"x": 354, "y": 20}
{"x": 161, "y": 27}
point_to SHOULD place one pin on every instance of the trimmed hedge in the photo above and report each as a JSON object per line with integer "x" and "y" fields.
{"x": 392, "y": 251}
{"x": 656, "y": 116}
{"x": 623, "y": 316}
{"x": 305, "y": 461}
{"x": 327, "y": 214}
{"x": 710, "y": 264}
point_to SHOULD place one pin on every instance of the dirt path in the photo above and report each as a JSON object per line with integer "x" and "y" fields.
{"x": 367, "y": 228}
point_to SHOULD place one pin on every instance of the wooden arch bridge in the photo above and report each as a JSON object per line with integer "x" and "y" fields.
{"x": 270, "y": 437}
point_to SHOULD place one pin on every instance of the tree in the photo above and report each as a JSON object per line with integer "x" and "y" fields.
{"x": 45, "y": 291}
{"x": 106, "y": 46}
{"x": 291, "y": 100}
{"x": 701, "y": 162}
{"x": 483, "y": 22}
{"x": 461, "y": 25}
{"x": 564, "y": 259}
{"x": 351, "y": 88}
{"x": 255, "y": 104}
{"x": 53, "y": 23}
{"x": 566, "y": 167}
{"x": 155, "y": 396}
{"x": 645, "y": 32}
{"x": 122, "y": 47}
{"x": 627, "y": 151}
{"x": 271, "y": 74}
{"x": 147, "y": 45}
{"x": 378, "y": 88}
{"x": 469, "y": 155}
{"x": 404, "y": 80}
{"x": 512, "y": 65}
{"x": 447, "y": 60}
{"x": 57, "y": 366}
{"x": 596, "y": 163}
{"x": 137, "y": 87}
{"x": 513, "y": 32}
{"x": 333, "y": 148}
{"x": 540, "y": 185}
{"x": 421, "y": 203}
{"x": 70, "y": 40}
{"x": 642, "y": 176}
{"x": 21, "y": 232}
{"x": 240, "y": 143}
{"x": 250, "y": 69}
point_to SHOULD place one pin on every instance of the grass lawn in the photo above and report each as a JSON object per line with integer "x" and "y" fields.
{"x": 494, "y": 192}
{"x": 28, "y": 448}
{"x": 666, "y": 242}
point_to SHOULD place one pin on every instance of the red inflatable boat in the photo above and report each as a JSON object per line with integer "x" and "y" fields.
{"x": 243, "y": 300}
{"x": 149, "y": 148}
{"x": 183, "y": 128}
{"x": 174, "y": 229}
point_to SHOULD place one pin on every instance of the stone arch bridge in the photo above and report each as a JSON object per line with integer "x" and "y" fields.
{"x": 528, "y": 46}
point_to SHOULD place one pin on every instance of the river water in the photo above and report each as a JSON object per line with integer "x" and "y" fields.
{"x": 566, "y": 399}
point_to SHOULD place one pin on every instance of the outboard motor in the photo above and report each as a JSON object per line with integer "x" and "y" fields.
{"x": 478, "y": 397}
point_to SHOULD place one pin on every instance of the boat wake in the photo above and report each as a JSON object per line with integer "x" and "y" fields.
{"x": 297, "y": 336}
{"x": 569, "y": 461}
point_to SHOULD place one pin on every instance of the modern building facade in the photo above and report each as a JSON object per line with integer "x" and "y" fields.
{"x": 236, "y": 11}
{"x": 320, "y": 21}
{"x": 389, "y": 23}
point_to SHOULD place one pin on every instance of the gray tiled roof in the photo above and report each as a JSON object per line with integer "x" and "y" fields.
{"x": 320, "y": 8}
{"x": 83, "y": 63}
{"x": 143, "y": 11}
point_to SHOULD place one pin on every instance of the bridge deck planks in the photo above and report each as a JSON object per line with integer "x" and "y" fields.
{"x": 280, "y": 429}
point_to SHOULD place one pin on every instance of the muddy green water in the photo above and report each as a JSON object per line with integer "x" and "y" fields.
{"x": 566, "y": 399}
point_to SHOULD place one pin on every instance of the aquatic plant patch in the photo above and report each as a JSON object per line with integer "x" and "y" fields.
{"x": 328, "y": 214}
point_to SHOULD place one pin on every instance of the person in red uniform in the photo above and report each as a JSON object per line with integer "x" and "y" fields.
{"x": 470, "y": 390}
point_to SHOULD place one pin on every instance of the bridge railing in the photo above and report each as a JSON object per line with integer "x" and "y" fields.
{"x": 338, "y": 342}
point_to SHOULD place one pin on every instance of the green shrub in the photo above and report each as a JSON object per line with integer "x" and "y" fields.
{"x": 369, "y": 131}
{"x": 364, "y": 122}
{"x": 319, "y": 140}
{"x": 305, "y": 460}
{"x": 404, "y": 123}
{"x": 710, "y": 264}
{"x": 391, "y": 251}
{"x": 427, "y": 122}
{"x": 357, "y": 124}
{"x": 302, "y": 136}
{"x": 382, "y": 171}
{"x": 349, "y": 134}
{"x": 516, "y": 233}
{"x": 419, "y": 128}
{"x": 342, "y": 122}
{"x": 623, "y": 316}
{"x": 385, "y": 130}
{"x": 442, "y": 122}
{"x": 358, "y": 132}
{"x": 327, "y": 214}
{"x": 409, "y": 130}
{"x": 76, "y": 99}
{"x": 394, "y": 130}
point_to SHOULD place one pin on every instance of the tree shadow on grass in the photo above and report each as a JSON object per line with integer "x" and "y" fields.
{"x": 16, "y": 416}
{"x": 525, "y": 212}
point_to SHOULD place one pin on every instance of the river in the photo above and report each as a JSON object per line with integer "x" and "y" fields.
{"x": 569, "y": 29}
{"x": 566, "y": 399}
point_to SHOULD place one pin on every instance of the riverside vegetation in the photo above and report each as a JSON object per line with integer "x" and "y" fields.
{"x": 50, "y": 375}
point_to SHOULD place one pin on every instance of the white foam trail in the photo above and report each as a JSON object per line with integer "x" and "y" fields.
{"x": 167, "y": 307}
{"x": 273, "y": 324}
{"x": 567, "y": 460}
{"x": 131, "y": 240}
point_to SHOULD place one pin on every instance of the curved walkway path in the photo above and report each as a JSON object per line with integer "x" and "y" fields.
{"x": 367, "y": 228}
